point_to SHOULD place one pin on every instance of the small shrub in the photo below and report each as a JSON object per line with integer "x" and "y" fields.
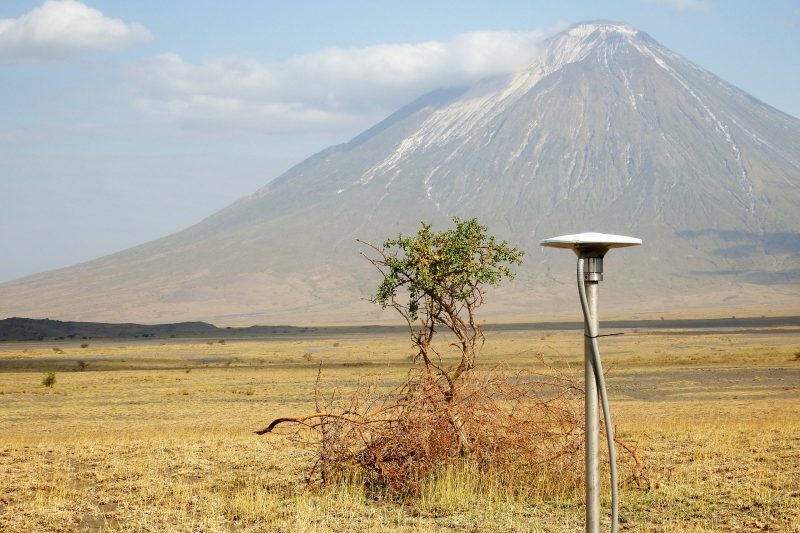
{"x": 49, "y": 379}
{"x": 308, "y": 356}
{"x": 58, "y": 350}
{"x": 82, "y": 365}
{"x": 797, "y": 356}
{"x": 221, "y": 341}
{"x": 84, "y": 345}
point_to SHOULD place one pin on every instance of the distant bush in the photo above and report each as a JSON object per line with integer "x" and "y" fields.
{"x": 797, "y": 356}
{"x": 58, "y": 350}
{"x": 84, "y": 345}
{"x": 221, "y": 341}
{"x": 49, "y": 379}
{"x": 82, "y": 365}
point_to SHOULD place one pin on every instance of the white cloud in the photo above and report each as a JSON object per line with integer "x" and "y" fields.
{"x": 334, "y": 87}
{"x": 686, "y": 5}
{"x": 61, "y": 29}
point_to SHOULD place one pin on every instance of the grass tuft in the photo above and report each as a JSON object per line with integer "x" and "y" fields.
{"x": 49, "y": 379}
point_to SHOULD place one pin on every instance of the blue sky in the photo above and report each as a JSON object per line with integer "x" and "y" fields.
{"x": 125, "y": 121}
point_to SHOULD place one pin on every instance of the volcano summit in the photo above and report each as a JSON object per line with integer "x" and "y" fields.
{"x": 607, "y": 131}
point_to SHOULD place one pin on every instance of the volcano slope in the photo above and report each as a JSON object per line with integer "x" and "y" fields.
{"x": 607, "y": 131}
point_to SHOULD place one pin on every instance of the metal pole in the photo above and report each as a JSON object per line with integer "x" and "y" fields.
{"x": 591, "y": 413}
{"x": 591, "y": 247}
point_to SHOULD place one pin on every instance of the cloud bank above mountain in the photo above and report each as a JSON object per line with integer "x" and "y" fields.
{"x": 329, "y": 88}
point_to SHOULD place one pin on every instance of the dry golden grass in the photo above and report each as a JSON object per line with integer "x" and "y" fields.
{"x": 152, "y": 437}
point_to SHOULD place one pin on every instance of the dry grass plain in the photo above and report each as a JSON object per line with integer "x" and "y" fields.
{"x": 144, "y": 436}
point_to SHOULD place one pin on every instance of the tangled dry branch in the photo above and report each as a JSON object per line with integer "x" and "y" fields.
{"x": 513, "y": 422}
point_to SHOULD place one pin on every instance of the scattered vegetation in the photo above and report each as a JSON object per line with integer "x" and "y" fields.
{"x": 49, "y": 379}
{"x": 729, "y": 464}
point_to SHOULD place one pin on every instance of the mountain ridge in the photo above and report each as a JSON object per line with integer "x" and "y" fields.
{"x": 608, "y": 130}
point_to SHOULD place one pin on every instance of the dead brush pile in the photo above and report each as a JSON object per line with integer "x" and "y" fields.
{"x": 525, "y": 429}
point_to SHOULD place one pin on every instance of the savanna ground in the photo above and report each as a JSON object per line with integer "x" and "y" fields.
{"x": 145, "y": 436}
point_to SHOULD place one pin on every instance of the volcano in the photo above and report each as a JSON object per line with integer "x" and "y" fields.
{"x": 607, "y": 131}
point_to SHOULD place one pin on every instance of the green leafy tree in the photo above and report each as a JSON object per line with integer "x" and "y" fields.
{"x": 438, "y": 279}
